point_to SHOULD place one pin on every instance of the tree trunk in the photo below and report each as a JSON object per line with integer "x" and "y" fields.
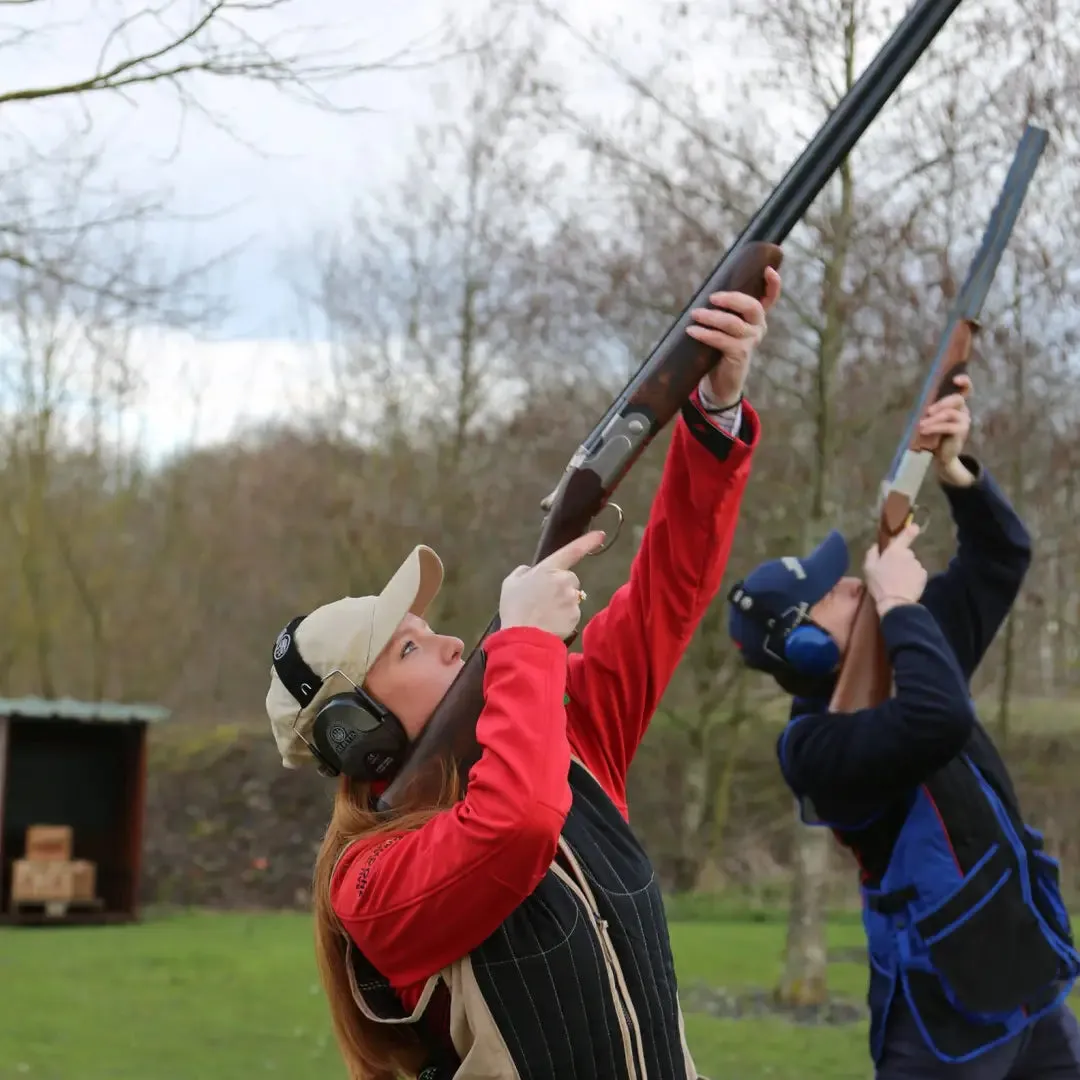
{"x": 1019, "y": 391}
{"x": 725, "y": 774}
{"x": 694, "y": 809}
{"x": 805, "y": 977}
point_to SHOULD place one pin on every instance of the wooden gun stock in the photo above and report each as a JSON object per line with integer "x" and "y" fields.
{"x": 865, "y": 677}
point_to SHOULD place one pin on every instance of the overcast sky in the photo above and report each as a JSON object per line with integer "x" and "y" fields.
{"x": 302, "y": 179}
{"x": 309, "y": 167}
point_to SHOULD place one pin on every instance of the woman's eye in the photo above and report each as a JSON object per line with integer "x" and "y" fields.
{"x": 407, "y": 648}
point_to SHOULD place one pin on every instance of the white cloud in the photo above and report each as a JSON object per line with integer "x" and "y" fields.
{"x": 198, "y": 392}
{"x": 183, "y": 391}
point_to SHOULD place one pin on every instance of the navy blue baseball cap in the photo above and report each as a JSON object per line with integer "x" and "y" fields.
{"x": 775, "y": 596}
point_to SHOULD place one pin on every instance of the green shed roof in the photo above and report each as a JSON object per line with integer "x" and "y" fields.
{"x": 35, "y": 708}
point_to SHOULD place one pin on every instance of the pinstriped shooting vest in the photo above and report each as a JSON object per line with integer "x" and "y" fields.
{"x": 578, "y": 982}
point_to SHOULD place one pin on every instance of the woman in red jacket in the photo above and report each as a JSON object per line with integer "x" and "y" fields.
{"x": 518, "y": 931}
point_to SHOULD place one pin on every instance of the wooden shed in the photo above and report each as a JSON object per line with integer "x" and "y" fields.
{"x": 81, "y": 765}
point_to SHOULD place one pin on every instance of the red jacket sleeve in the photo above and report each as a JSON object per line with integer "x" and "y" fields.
{"x": 631, "y": 649}
{"x": 414, "y": 902}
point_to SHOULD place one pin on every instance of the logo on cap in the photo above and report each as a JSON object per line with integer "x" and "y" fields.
{"x": 738, "y": 596}
{"x": 794, "y": 566}
{"x": 281, "y": 646}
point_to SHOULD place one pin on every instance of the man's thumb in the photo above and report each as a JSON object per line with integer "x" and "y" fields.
{"x": 906, "y": 536}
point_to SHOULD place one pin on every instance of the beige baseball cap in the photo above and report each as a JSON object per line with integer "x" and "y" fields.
{"x": 346, "y": 635}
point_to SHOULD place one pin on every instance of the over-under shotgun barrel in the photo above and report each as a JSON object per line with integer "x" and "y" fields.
{"x": 865, "y": 677}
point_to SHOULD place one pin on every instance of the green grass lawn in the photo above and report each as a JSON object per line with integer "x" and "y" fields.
{"x": 229, "y": 997}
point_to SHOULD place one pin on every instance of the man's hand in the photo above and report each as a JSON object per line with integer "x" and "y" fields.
{"x": 735, "y": 333}
{"x": 895, "y": 576}
{"x": 951, "y": 419}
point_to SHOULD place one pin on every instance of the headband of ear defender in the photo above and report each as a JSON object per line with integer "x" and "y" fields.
{"x": 352, "y": 733}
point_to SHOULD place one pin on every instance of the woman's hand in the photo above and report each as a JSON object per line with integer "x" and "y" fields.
{"x": 548, "y": 595}
{"x": 735, "y": 332}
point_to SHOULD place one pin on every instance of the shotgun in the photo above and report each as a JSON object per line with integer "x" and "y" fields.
{"x": 663, "y": 383}
{"x": 865, "y": 677}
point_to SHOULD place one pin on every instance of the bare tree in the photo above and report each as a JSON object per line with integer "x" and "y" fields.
{"x": 431, "y": 294}
{"x": 183, "y": 45}
{"x": 77, "y": 277}
{"x": 181, "y": 50}
{"x": 67, "y": 385}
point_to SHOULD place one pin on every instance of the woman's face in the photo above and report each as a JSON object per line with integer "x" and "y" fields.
{"x": 412, "y": 674}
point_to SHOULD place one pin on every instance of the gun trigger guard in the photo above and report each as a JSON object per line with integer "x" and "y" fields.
{"x": 615, "y": 534}
{"x": 920, "y": 515}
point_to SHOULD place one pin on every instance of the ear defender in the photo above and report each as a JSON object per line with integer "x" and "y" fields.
{"x": 805, "y": 647}
{"x": 353, "y": 734}
{"x": 357, "y": 737}
{"x": 811, "y": 651}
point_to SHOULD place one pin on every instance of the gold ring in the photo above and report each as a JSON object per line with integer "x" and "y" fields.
{"x": 581, "y": 594}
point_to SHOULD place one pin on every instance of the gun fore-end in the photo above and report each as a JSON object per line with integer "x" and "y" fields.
{"x": 747, "y": 274}
{"x": 954, "y": 363}
{"x": 686, "y": 361}
{"x": 896, "y": 512}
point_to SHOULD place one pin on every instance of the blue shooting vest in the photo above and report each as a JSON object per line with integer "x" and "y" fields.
{"x": 979, "y": 943}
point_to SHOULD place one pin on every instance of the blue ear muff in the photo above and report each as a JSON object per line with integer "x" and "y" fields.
{"x": 811, "y": 651}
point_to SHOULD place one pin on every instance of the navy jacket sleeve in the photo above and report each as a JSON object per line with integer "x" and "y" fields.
{"x": 849, "y": 765}
{"x": 972, "y": 597}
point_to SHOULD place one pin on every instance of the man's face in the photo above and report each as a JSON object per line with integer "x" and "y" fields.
{"x": 835, "y": 611}
{"x": 412, "y": 674}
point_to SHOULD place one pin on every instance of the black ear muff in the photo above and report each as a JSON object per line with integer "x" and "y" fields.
{"x": 353, "y": 733}
{"x": 359, "y": 738}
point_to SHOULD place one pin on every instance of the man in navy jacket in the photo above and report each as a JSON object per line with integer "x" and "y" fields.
{"x": 971, "y": 951}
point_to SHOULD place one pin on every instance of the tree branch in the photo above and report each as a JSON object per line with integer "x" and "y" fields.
{"x": 193, "y": 50}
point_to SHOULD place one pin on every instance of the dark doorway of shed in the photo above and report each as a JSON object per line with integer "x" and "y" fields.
{"x": 83, "y": 775}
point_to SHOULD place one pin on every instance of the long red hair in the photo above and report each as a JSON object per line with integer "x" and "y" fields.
{"x": 371, "y": 1051}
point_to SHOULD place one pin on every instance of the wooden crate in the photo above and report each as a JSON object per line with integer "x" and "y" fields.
{"x": 43, "y": 881}
{"x": 50, "y": 843}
